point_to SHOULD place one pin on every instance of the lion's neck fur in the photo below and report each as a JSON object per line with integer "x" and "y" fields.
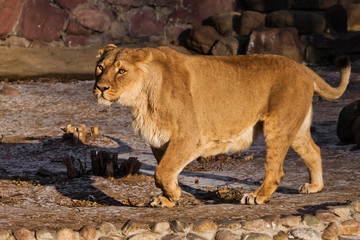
{"x": 145, "y": 117}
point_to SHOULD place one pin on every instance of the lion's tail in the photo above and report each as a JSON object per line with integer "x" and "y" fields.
{"x": 329, "y": 92}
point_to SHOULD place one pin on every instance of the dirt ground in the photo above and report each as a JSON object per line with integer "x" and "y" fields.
{"x": 35, "y": 192}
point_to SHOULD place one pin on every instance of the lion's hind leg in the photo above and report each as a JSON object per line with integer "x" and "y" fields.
{"x": 277, "y": 145}
{"x": 304, "y": 145}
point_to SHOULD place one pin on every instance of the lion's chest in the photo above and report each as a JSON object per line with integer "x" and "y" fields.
{"x": 145, "y": 123}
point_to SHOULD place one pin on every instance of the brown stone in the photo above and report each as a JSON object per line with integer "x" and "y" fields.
{"x": 353, "y": 17}
{"x": 304, "y": 22}
{"x": 202, "y": 38}
{"x": 288, "y": 221}
{"x": 345, "y": 121}
{"x": 6, "y": 235}
{"x": 356, "y": 205}
{"x": 266, "y": 5}
{"x": 224, "y": 22}
{"x": 8, "y": 90}
{"x": 227, "y": 46}
{"x": 201, "y": 10}
{"x": 69, "y": 4}
{"x": 41, "y": 21}
{"x": 345, "y": 17}
{"x": 161, "y": 227}
{"x": 24, "y": 234}
{"x": 311, "y": 4}
{"x": 250, "y": 21}
{"x": 144, "y": 22}
{"x": 65, "y": 234}
{"x": 9, "y": 14}
{"x": 92, "y": 18}
{"x": 88, "y": 232}
{"x": 349, "y": 227}
{"x": 331, "y": 232}
{"x": 281, "y": 41}
{"x": 325, "y": 215}
{"x": 108, "y": 229}
{"x": 342, "y": 212}
{"x": 132, "y": 227}
{"x": 164, "y": 3}
{"x": 255, "y": 225}
{"x": 172, "y": 237}
{"x": 205, "y": 226}
{"x": 225, "y": 235}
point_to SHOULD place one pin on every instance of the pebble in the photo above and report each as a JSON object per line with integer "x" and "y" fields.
{"x": 255, "y": 225}
{"x": 24, "y": 234}
{"x": 161, "y": 227}
{"x": 257, "y": 236}
{"x": 336, "y": 222}
{"x": 179, "y": 225}
{"x": 305, "y": 234}
{"x": 45, "y": 235}
{"x": 310, "y": 220}
{"x": 342, "y": 212}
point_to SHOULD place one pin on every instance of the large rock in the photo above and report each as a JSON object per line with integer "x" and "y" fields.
{"x": 281, "y": 41}
{"x": 345, "y": 17}
{"x": 93, "y": 18}
{"x": 250, "y": 21}
{"x": 304, "y": 22}
{"x": 225, "y": 23}
{"x": 265, "y": 5}
{"x": 202, "y": 38}
{"x": 9, "y": 13}
{"x": 311, "y": 4}
{"x": 40, "y": 21}
{"x": 201, "y": 10}
{"x": 346, "y": 119}
{"x": 228, "y": 46}
{"x": 69, "y": 4}
{"x": 145, "y": 22}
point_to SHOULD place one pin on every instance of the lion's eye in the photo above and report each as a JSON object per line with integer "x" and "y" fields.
{"x": 122, "y": 71}
{"x": 101, "y": 68}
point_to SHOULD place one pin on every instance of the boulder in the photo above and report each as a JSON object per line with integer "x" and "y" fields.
{"x": 69, "y": 4}
{"x": 226, "y": 46}
{"x": 356, "y": 131}
{"x": 265, "y": 5}
{"x": 311, "y": 4}
{"x": 344, "y": 17}
{"x": 144, "y": 22}
{"x": 40, "y": 21}
{"x": 201, "y": 10}
{"x": 93, "y": 18}
{"x": 9, "y": 13}
{"x": 202, "y": 38}
{"x": 250, "y": 21}
{"x": 346, "y": 119}
{"x": 304, "y": 22}
{"x": 281, "y": 41}
{"x": 225, "y": 23}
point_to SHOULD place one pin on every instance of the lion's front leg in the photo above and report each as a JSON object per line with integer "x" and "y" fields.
{"x": 176, "y": 157}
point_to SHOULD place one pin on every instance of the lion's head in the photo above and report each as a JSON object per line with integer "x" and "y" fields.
{"x": 119, "y": 74}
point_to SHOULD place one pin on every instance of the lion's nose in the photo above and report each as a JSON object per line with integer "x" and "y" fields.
{"x": 102, "y": 89}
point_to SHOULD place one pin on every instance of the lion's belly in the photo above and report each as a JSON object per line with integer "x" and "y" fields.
{"x": 233, "y": 143}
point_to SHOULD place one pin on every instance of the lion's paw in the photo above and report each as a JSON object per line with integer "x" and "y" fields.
{"x": 162, "y": 202}
{"x": 310, "y": 188}
{"x": 252, "y": 199}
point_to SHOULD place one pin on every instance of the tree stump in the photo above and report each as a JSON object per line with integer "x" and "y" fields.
{"x": 129, "y": 167}
{"x": 103, "y": 163}
{"x": 71, "y": 170}
{"x": 81, "y": 135}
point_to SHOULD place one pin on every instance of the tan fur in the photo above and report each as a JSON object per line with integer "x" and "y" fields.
{"x": 189, "y": 106}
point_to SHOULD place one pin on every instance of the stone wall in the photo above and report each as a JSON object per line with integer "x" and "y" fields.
{"x": 30, "y": 23}
{"x": 305, "y": 30}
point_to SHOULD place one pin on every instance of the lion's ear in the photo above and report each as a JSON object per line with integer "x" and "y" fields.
{"x": 142, "y": 55}
{"x": 106, "y": 49}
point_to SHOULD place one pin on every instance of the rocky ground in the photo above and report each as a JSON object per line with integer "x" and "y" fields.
{"x": 35, "y": 192}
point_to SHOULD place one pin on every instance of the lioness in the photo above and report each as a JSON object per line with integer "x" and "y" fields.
{"x": 189, "y": 106}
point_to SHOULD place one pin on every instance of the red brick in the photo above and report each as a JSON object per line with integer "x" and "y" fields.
{"x": 143, "y": 22}
{"x": 69, "y": 4}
